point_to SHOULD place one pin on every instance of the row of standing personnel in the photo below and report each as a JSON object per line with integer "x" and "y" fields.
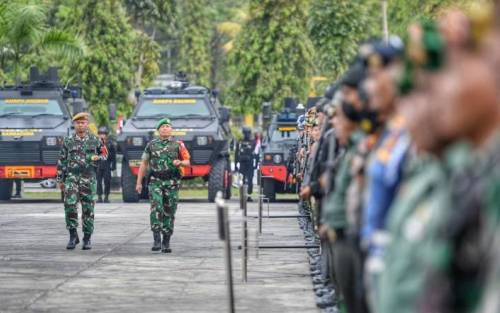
{"x": 400, "y": 165}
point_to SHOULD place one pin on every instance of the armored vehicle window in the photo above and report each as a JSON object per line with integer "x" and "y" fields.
{"x": 283, "y": 135}
{"x": 173, "y": 107}
{"x": 29, "y": 107}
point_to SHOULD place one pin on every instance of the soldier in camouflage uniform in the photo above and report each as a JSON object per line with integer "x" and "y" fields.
{"x": 76, "y": 175}
{"x": 164, "y": 157}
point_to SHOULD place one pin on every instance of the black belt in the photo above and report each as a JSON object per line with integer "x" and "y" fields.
{"x": 164, "y": 175}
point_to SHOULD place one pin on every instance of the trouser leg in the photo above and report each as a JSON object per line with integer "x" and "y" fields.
{"x": 107, "y": 181}
{"x": 170, "y": 207}
{"x": 87, "y": 198}
{"x": 156, "y": 200}
{"x": 71, "y": 197}
{"x": 100, "y": 174}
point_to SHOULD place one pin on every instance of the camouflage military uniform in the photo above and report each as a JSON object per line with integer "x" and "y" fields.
{"x": 416, "y": 216}
{"x": 459, "y": 269}
{"x": 346, "y": 258}
{"x": 77, "y": 171}
{"x": 164, "y": 181}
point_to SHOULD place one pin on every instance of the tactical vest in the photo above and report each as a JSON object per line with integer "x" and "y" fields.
{"x": 80, "y": 153}
{"x": 162, "y": 155}
{"x": 246, "y": 151}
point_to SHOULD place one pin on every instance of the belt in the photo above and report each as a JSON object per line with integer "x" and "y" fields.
{"x": 82, "y": 171}
{"x": 164, "y": 175}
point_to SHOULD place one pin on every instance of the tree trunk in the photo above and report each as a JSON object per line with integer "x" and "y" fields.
{"x": 140, "y": 69}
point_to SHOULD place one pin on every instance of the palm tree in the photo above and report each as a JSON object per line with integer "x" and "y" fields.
{"x": 24, "y": 31}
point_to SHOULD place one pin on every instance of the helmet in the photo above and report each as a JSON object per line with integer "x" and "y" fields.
{"x": 48, "y": 183}
{"x": 247, "y": 132}
{"x": 103, "y": 130}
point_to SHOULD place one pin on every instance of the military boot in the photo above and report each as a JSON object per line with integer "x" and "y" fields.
{"x": 165, "y": 244}
{"x": 157, "y": 241}
{"x": 106, "y": 198}
{"x": 99, "y": 198}
{"x": 86, "y": 242}
{"x": 73, "y": 239}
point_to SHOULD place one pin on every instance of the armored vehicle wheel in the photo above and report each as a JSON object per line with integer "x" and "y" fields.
{"x": 5, "y": 189}
{"x": 128, "y": 185}
{"x": 219, "y": 180}
{"x": 268, "y": 188}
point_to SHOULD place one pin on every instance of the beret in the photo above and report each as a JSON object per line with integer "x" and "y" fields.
{"x": 163, "y": 121}
{"x": 81, "y": 116}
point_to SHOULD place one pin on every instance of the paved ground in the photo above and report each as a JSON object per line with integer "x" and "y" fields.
{"x": 121, "y": 274}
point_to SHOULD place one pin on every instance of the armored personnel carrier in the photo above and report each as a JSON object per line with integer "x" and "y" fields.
{"x": 198, "y": 119}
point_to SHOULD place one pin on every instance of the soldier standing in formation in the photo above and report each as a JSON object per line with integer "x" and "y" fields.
{"x": 76, "y": 175}
{"x": 412, "y": 210}
{"x": 164, "y": 157}
{"x": 245, "y": 159}
{"x": 105, "y": 167}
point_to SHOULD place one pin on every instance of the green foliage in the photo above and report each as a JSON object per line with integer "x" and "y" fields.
{"x": 148, "y": 16}
{"x": 336, "y": 28}
{"x": 24, "y": 32}
{"x": 404, "y": 12}
{"x": 227, "y": 16}
{"x": 150, "y": 52}
{"x": 106, "y": 73}
{"x": 272, "y": 55}
{"x": 152, "y": 11}
{"x": 193, "y": 40}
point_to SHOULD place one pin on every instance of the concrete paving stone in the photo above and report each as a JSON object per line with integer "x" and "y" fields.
{"x": 121, "y": 274}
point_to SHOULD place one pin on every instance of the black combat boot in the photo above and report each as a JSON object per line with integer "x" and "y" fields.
{"x": 106, "y": 198}
{"x": 99, "y": 198}
{"x": 73, "y": 239}
{"x": 157, "y": 241}
{"x": 165, "y": 244}
{"x": 86, "y": 242}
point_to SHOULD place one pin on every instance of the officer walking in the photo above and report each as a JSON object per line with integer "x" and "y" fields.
{"x": 164, "y": 157}
{"x": 76, "y": 175}
{"x": 105, "y": 167}
{"x": 246, "y": 158}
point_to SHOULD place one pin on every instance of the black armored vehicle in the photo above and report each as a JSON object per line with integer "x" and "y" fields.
{"x": 198, "y": 120}
{"x": 279, "y": 148}
{"x": 34, "y": 119}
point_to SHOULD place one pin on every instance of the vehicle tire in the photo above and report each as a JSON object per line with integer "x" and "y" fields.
{"x": 128, "y": 184}
{"x": 6, "y": 189}
{"x": 216, "y": 179}
{"x": 268, "y": 187}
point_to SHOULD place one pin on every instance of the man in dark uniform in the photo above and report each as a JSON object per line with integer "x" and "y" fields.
{"x": 105, "y": 167}
{"x": 246, "y": 158}
{"x": 18, "y": 188}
